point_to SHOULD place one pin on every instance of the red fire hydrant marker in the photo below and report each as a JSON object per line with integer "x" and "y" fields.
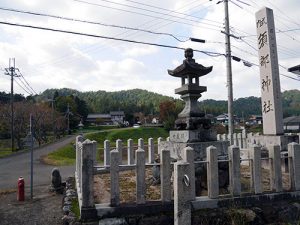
{"x": 21, "y": 187}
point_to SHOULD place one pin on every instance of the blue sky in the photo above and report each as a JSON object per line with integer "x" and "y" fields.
{"x": 54, "y": 60}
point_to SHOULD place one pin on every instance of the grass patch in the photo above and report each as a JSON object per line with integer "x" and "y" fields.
{"x": 127, "y": 133}
{"x": 75, "y": 208}
{"x": 5, "y": 152}
{"x": 62, "y": 156}
{"x": 89, "y": 129}
{"x": 67, "y": 155}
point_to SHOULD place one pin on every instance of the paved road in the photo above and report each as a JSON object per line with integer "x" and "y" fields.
{"x": 19, "y": 165}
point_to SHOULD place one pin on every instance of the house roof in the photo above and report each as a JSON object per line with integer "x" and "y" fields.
{"x": 117, "y": 113}
{"x": 292, "y": 120}
{"x": 98, "y": 116}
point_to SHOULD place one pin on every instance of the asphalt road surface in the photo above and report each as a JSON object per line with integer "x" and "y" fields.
{"x": 14, "y": 166}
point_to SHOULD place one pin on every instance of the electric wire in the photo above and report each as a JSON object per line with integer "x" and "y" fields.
{"x": 91, "y": 22}
{"x": 126, "y": 33}
{"x": 106, "y": 37}
{"x": 147, "y": 15}
{"x": 143, "y": 9}
{"x": 22, "y": 87}
{"x": 27, "y": 83}
{"x": 172, "y": 11}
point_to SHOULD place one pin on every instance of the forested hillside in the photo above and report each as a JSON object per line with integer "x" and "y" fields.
{"x": 138, "y": 100}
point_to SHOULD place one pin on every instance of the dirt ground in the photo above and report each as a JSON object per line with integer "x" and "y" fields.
{"x": 43, "y": 209}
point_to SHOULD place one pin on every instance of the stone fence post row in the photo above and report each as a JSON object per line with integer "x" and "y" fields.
{"x": 130, "y": 150}
{"x": 239, "y": 139}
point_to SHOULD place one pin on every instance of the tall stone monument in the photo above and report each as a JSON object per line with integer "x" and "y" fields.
{"x": 271, "y": 101}
{"x": 269, "y": 73}
{"x": 192, "y": 128}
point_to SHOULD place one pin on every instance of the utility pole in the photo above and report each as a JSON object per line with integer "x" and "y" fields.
{"x": 53, "y": 123}
{"x": 229, "y": 73}
{"x": 53, "y": 120}
{"x": 10, "y": 71}
{"x": 68, "y": 111}
{"x": 31, "y": 157}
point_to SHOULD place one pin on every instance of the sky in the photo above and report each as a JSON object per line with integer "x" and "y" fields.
{"x": 48, "y": 59}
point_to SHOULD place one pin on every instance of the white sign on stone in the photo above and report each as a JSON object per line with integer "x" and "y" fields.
{"x": 269, "y": 73}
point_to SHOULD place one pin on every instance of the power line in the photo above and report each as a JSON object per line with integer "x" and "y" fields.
{"x": 143, "y": 9}
{"x": 147, "y": 15}
{"x": 126, "y": 33}
{"x": 254, "y": 64}
{"x": 107, "y": 37}
{"x": 171, "y": 11}
{"x": 91, "y": 22}
{"x": 23, "y": 87}
{"x": 27, "y": 82}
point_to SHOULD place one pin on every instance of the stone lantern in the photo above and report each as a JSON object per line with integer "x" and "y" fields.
{"x": 191, "y": 124}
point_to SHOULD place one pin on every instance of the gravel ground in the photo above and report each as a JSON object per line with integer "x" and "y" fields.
{"x": 43, "y": 209}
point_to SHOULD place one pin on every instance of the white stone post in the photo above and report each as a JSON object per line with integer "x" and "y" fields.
{"x": 79, "y": 171}
{"x": 188, "y": 156}
{"x": 229, "y": 138}
{"x": 150, "y": 150}
{"x": 130, "y": 152}
{"x": 212, "y": 172}
{"x": 140, "y": 176}
{"x": 182, "y": 193}
{"x": 87, "y": 187}
{"x": 294, "y": 165}
{"x": 235, "y": 139}
{"x": 219, "y": 137}
{"x": 224, "y": 137}
{"x": 106, "y": 153}
{"x": 141, "y": 143}
{"x": 275, "y": 168}
{"x": 95, "y": 154}
{"x": 114, "y": 178}
{"x": 119, "y": 147}
{"x": 255, "y": 168}
{"x": 79, "y": 139}
{"x": 234, "y": 170}
{"x": 240, "y": 140}
{"x": 160, "y": 139}
{"x": 244, "y": 138}
{"x": 165, "y": 175}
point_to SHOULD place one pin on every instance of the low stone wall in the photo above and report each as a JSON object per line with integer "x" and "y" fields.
{"x": 259, "y": 210}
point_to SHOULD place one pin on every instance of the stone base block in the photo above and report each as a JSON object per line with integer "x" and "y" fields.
{"x": 200, "y": 135}
{"x": 88, "y": 214}
{"x": 176, "y": 148}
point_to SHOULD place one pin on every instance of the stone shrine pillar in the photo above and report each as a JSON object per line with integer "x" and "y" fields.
{"x": 269, "y": 73}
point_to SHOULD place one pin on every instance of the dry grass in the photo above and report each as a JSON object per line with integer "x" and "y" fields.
{"x": 7, "y": 191}
{"x": 128, "y": 185}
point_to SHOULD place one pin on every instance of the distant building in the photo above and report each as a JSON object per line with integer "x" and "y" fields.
{"x": 113, "y": 118}
{"x": 291, "y": 123}
{"x": 255, "y": 119}
{"x": 117, "y": 117}
{"x": 223, "y": 119}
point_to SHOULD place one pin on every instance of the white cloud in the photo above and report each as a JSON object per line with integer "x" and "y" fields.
{"x": 51, "y": 59}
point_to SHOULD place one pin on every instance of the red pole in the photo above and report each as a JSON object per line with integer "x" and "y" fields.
{"x": 21, "y": 187}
